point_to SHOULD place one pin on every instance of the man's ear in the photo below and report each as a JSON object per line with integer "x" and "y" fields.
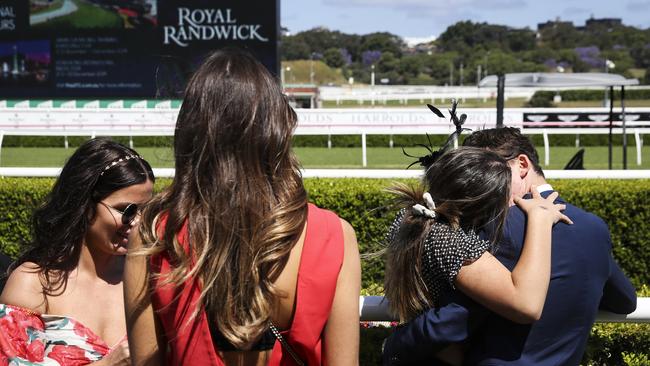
{"x": 525, "y": 166}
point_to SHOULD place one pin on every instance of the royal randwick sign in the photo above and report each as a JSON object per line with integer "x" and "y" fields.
{"x": 208, "y": 24}
{"x": 144, "y": 49}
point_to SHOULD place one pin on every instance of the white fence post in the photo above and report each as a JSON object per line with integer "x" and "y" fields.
{"x": 2, "y": 136}
{"x": 364, "y": 160}
{"x": 639, "y": 145}
{"x": 547, "y": 153}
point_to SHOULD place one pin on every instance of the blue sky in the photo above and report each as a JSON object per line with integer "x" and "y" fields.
{"x": 422, "y": 18}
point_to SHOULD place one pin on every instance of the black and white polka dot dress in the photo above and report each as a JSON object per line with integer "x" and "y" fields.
{"x": 445, "y": 250}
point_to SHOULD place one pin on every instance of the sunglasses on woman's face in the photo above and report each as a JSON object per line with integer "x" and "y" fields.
{"x": 128, "y": 213}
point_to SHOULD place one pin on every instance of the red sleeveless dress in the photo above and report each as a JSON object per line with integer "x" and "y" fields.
{"x": 320, "y": 263}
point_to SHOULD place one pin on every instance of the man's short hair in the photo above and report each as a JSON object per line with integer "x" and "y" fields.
{"x": 507, "y": 142}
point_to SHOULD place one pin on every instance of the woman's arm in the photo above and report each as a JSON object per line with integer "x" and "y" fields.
{"x": 341, "y": 338}
{"x": 518, "y": 295}
{"x": 141, "y": 327}
{"x": 24, "y": 289}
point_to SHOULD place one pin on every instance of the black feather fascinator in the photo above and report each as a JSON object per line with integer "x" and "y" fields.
{"x": 427, "y": 160}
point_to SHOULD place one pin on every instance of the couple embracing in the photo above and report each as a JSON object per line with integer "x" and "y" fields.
{"x": 519, "y": 285}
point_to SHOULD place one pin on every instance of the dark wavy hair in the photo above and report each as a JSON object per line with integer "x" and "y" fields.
{"x": 471, "y": 188}
{"x": 507, "y": 142}
{"x": 239, "y": 189}
{"x": 60, "y": 223}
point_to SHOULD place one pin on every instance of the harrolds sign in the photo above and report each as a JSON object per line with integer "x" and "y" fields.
{"x": 394, "y": 121}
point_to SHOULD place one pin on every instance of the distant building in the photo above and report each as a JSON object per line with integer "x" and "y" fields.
{"x": 552, "y": 24}
{"x": 302, "y": 95}
{"x": 607, "y": 22}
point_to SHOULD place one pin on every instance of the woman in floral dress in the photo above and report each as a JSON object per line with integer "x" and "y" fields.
{"x": 63, "y": 302}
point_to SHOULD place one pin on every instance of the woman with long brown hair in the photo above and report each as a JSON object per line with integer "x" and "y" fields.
{"x": 232, "y": 265}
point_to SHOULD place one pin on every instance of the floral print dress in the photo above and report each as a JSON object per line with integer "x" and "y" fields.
{"x": 27, "y": 338}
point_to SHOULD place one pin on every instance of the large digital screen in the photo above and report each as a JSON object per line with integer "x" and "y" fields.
{"x": 124, "y": 48}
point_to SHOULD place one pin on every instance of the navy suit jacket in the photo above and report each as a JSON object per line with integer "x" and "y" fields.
{"x": 584, "y": 277}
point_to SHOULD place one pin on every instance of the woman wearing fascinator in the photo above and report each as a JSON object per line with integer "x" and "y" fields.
{"x": 434, "y": 247}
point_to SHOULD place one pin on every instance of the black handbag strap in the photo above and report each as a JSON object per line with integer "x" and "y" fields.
{"x": 287, "y": 347}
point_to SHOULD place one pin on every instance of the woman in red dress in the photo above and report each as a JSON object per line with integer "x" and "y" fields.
{"x": 232, "y": 265}
{"x": 63, "y": 302}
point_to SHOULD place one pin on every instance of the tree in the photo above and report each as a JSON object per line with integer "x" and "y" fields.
{"x": 560, "y": 35}
{"x": 387, "y": 62}
{"x": 641, "y": 54}
{"x": 646, "y": 78}
{"x": 410, "y": 67}
{"x": 293, "y": 48}
{"x": 333, "y": 58}
{"x": 384, "y": 42}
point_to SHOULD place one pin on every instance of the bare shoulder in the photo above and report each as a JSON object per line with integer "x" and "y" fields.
{"x": 24, "y": 288}
{"x": 350, "y": 245}
{"x": 348, "y": 230}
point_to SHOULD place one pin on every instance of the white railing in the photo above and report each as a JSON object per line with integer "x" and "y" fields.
{"x": 375, "y": 308}
{"x": 425, "y": 93}
{"x": 360, "y": 173}
{"x": 140, "y": 120}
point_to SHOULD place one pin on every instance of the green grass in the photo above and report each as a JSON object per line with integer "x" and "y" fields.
{"x": 86, "y": 16}
{"x": 56, "y": 4}
{"x": 337, "y": 157}
{"x": 599, "y": 103}
{"x": 300, "y": 70}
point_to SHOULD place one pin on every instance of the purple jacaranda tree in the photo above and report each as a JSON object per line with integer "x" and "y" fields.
{"x": 590, "y": 55}
{"x": 347, "y": 57}
{"x": 370, "y": 57}
{"x": 550, "y": 63}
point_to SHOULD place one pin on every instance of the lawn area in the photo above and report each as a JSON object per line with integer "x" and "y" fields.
{"x": 336, "y": 157}
{"x": 644, "y": 103}
{"x": 86, "y": 16}
{"x": 56, "y": 4}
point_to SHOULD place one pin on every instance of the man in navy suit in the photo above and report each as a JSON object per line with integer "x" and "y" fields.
{"x": 584, "y": 278}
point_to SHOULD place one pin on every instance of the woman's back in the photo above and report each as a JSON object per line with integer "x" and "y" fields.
{"x": 238, "y": 196}
{"x": 308, "y": 281}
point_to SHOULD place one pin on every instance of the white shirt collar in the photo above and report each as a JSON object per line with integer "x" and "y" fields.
{"x": 544, "y": 188}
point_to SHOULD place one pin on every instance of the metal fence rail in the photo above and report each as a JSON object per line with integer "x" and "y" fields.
{"x": 375, "y": 308}
{"x": 157, "y": 118}
{"x": 360, "y": 173}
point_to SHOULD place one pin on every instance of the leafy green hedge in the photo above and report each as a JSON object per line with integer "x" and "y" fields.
{"x": 610, "y": 344}
{"x": 620, "y": 344}
{"x": 74, "y": 141}
{"x": 623, "y": 204}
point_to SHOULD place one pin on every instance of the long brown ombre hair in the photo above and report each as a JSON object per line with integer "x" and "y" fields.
{"x": 471, "y": 189}
{"x": 238, "y": 188}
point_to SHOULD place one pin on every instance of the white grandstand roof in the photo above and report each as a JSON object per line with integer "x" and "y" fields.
{"x": 545, "y": 79}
